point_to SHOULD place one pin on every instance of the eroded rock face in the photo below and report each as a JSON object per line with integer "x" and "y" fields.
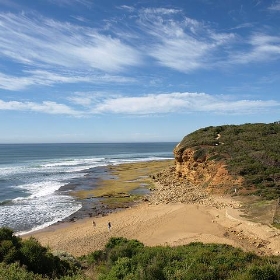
{"x": 169, "y": 188}
{"x": 192, "y": 179}
{"x": 209, "y": 174}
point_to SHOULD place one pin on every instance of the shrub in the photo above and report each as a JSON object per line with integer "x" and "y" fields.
{"x": 121, "y": 270}
{"x": 16, "y": 272}
{"x": 8, "y": 252}
{"x": 200, "y": 155}
{"x": 193, "y": 261}
{"x": 9, "y": 245}
{"x": 95, "y": 257}
{"x": 121, "y": 247}
{"x": 265, "y": 272}
{"x": 34, "y": 257}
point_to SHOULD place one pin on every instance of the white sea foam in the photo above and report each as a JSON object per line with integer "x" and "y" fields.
{"x": 59, "y": 216}
{"x": 38, "y": 213}
{"x": 9, "y": 171}
{"x": 120, "y": 161}
{"x": 74, "y": 162}
{"x": 44, "y": 188}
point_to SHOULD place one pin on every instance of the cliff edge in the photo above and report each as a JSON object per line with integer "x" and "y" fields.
{"x": 209, "y": 174}
{"x": 232, "y": 158}
{"x": 229, "y": 159}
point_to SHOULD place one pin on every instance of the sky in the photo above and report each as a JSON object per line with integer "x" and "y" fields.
{"x": 135, "y": 71}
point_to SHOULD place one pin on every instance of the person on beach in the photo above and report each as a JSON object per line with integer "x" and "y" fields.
{"x": 109, "y": 226}
{"x": 93, "y": 223}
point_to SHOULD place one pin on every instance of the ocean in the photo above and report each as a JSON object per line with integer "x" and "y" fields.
{"x": 32, "y": 177}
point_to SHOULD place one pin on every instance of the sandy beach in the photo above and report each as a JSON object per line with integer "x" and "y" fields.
{"x": 172, "y": 214}
{"x": 164, "y": 224}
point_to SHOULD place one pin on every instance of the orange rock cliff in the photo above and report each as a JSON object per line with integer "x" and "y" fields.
{"x": 212, "y": 175}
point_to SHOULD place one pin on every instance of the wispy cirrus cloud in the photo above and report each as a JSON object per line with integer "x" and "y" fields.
{"x": 86, "y": 3}
{"x": 49, "y": 52}
{"x": 43, "y": 42}
{"x": 15, "y": 83}
{"x": 46, "y": 107}
{"x": 261, "y": 47}
{"x": 275, "y": 6}
{"x": 187, "y": 45}
{"x": 49, "y": 78}
{"x": 127, "y": 8}
{"x": 181, "y": 43}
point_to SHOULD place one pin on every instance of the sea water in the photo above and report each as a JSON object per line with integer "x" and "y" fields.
{"x": 31, "y": 176}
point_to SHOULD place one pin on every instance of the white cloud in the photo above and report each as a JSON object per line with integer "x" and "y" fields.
{"x": 180, "y": 54}
{"x": 166, "y": 103}
{"x": 160, "y": 11}
{"x": 60, "y": 52}
{"x": 240, "y": 106}
{"x": 262, "y": 48}
{"x": 275, "y": 6}
{"x": 47, "y": 107}
{"x": 187, "y": 45}
{"x": 86, "y": 3}
{"x": 127, "y": 8}
{"x": 181, "y": 103}
{"x": 81, "y": 98}
{"x": 14, "y": 83}
{"x": 184, "y": 45}
{"x": 47, "y": 78}
{"x": 42, "y": 42}
{"x": 243, "y": 25}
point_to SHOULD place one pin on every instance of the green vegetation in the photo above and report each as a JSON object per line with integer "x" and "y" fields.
{"x": 27, "y": 259}
{"x": 249, "y": 150}
{"x": 130, "y": 259}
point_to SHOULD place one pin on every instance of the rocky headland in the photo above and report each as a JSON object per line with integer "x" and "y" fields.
{"x": 226, "y": 160}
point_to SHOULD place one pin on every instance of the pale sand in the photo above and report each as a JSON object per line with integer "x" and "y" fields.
{"x": 163, "y": 224}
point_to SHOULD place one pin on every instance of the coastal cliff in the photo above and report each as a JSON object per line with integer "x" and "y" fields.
{"x": 230, "y": 159}
{"x": 212, "y": 175}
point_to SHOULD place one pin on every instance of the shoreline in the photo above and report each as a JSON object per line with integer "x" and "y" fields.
{"x": 84, "y": 190}
{"x": 162, "y": 221}
{"x": 108, "y": 183}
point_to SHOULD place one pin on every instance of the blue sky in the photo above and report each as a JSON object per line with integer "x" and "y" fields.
{"x": 134, "y": 71}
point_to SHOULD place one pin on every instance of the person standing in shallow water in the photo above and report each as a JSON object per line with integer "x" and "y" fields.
{"x": 109, "y": 226}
